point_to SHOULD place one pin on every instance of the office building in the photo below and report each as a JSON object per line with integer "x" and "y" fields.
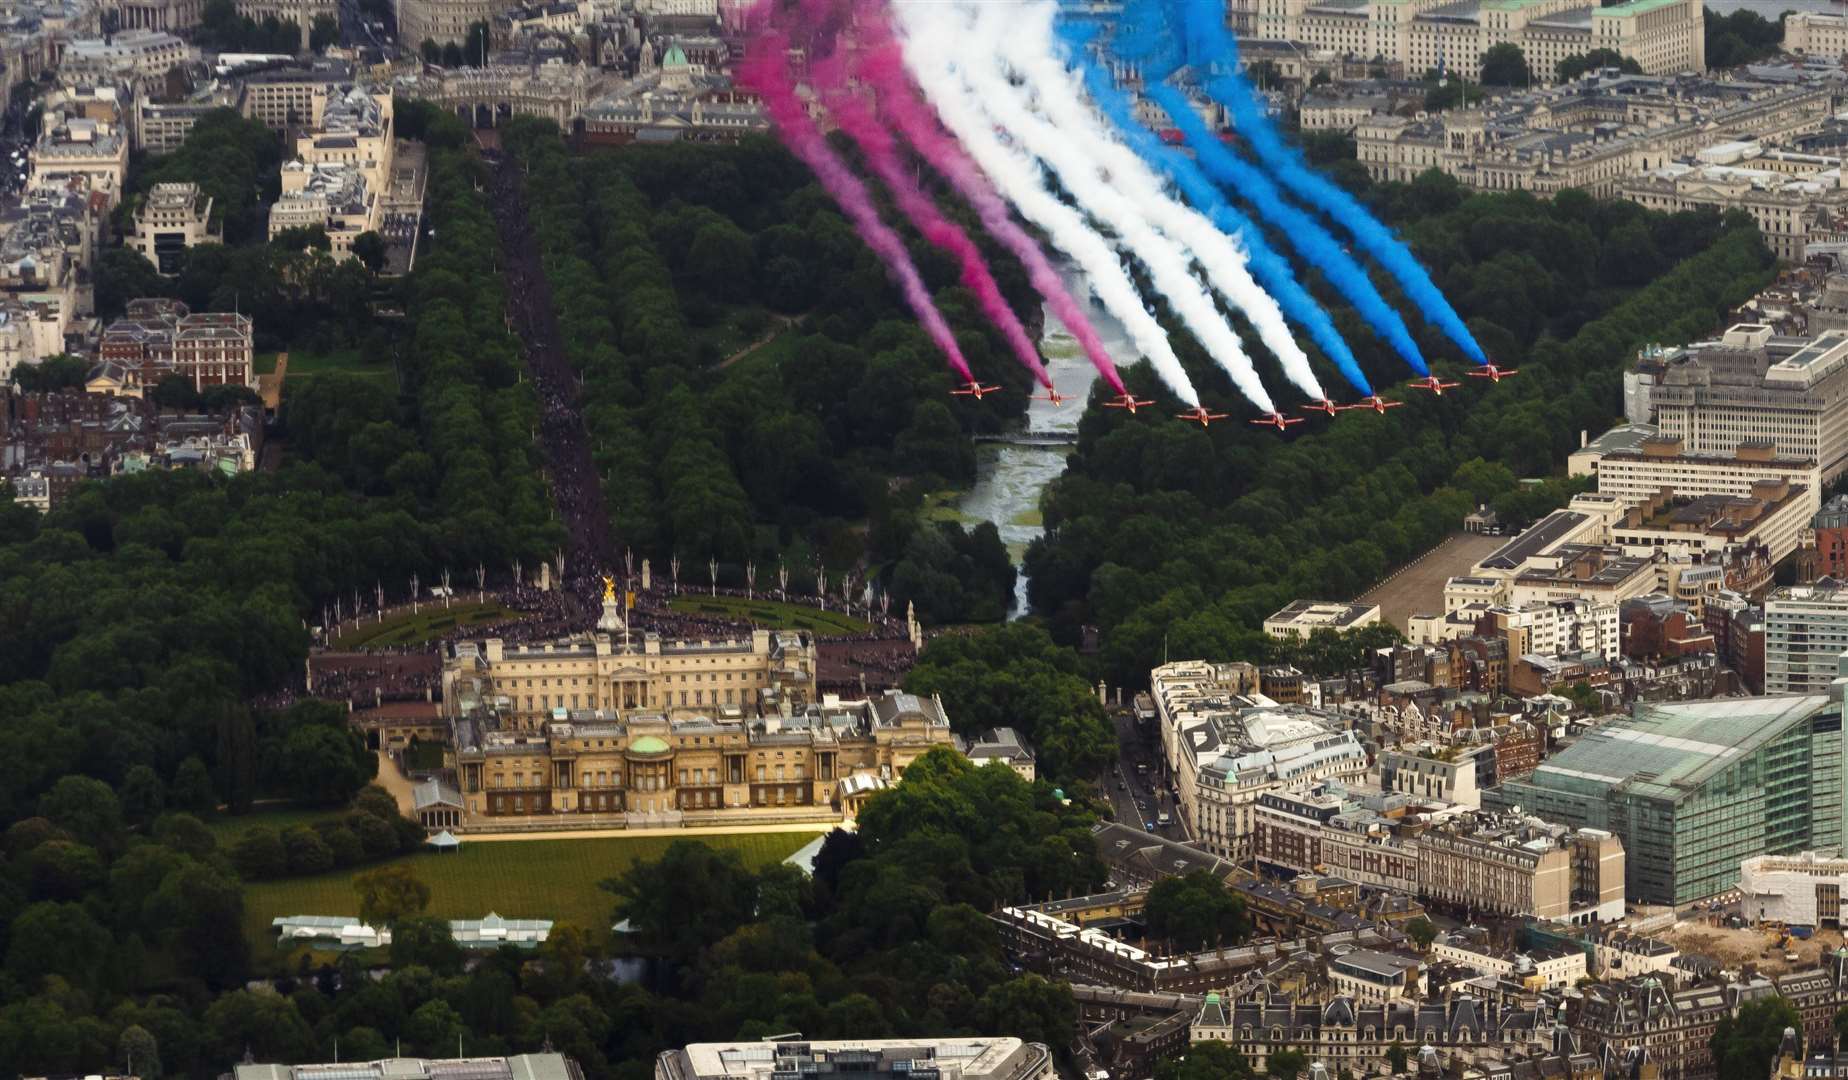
{"x": 1751, "y": 388}
{"x": 1634, "y": 462}
{"x": 172, "y": 218}
{"x": 951, "y": 1058}
{"x": 1304, "y": 617}
{"x": 1694, "y": 788}
{"x": 1806, "y": 633}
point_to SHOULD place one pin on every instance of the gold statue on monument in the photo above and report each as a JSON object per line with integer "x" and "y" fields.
{"x": 609, "y": 589}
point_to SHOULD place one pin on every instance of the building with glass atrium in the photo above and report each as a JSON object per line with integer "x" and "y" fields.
{"x": 1695, "y": 787}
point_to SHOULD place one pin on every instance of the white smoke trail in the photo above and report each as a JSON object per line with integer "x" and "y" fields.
{"x": 1018, "y": 177}
{"x": 1061, "y": 97}
{"x": 941, "y": 38}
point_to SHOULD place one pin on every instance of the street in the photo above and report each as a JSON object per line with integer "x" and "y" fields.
{"x": 1137, "y": 784}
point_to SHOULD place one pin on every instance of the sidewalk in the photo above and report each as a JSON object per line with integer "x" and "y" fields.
{"x": 395, "y": 782}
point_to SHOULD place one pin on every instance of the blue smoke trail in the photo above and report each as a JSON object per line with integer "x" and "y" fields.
{"x": 1209, "y": 46}
{"x": 1306, "y": 234}
{"x": 1269, "y": 268}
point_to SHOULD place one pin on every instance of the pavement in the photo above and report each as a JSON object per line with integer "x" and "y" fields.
{"x": 1418, "y": 587}
{"x": 269, "y": 387}
{"x": 395, "y": 782}
{"x": 1138, "y": 797}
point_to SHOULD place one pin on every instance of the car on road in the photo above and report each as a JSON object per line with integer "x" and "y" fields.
{"x": 1162, "y": 818}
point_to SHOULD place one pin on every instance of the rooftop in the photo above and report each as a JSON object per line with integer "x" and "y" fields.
{"x": 1668, "y": 750}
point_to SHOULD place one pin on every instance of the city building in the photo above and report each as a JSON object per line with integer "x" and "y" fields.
{"x": 1795, "y": 198}
{"x": 169, "y": 15}
{"x": 1446, "y": 774}
{"x": 341, "y": 169}
{"x": 1830, "y": 526}
{"x": 1816, "y": 33}
{"x": 1751, "y": 388}
{"x": 526, "y": 685}
{"x": 1358, "y": 1036}
{"x": 1524, "y": 866}
{"x": 445, "y": 22}
{"x": 302, "y": 13}
{"x": 172, "y": 218}
{"x": 542, "y": 1066}
{"x": 1643, "y": 1015}
{"x": 668, "y": 732}
{"x": 1597, "y": 131}
{"x": 1303, "y": 617}
{"x": 1806, "y": 633}
{"x": 93, "y": 150}
{"x": 1543, "y": 968}
{"x": 1774, "y": 515}
{"x": 1634, "y": 462}
{"x": 672, "y": 101}
{"x": 1002, "y": 744}
{"x": 1484, "y": 863}
{"x": 145, "y": 53}
{"x": 1694, "y": 788}
{"x": 952, "y": 1058}
{"x": 160, "y": 337}
{"x": 1369, "y": 976}
{"x": 1805, "y": 889}
{"x": 1663, "y": 36}
{"x": 291, "y": 97}
{"x": 1226, "y": 746}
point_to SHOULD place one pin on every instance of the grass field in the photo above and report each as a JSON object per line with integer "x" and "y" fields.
{"x": 520, "y": 879}
{"x": 409, "y": 629}
{"x": 226, "y": 828}
{"x": 770, "y": 613}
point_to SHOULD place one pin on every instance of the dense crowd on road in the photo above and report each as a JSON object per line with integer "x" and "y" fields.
{"x": 575, "y": 489}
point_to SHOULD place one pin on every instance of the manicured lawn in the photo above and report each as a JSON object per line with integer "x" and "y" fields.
{"x": 411, "y": 629}
{"x": 770, "y": 613}
{"x": 521, "y": 879}
{"x": 226, "y": 828}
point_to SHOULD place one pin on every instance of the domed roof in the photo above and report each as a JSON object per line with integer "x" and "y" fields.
{"x": 648, "y": 744}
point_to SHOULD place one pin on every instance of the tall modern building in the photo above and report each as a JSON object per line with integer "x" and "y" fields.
{"x": 1695, "y": 788}
{"x": 1752, "y": 389}
{"x": 1806, "y": 633}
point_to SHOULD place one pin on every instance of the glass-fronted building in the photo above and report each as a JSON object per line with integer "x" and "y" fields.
{"x": 1695, "y": 787}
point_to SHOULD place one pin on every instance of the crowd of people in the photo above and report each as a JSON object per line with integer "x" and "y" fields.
{"x": 575, "y": 487}
{"x": 366, "y": 678}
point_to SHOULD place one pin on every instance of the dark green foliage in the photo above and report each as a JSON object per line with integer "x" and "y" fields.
{"x": 1744, "y": 1045}
{"x": 1505, "y": 65}
{"x": 222, "y": 29}
{"x": 232, "y": 159}
{"x": 1206, "y": 1061}
{"x": 1195, "y": 912}
{"x": 1015, "y": 676}
{"x": 1579, "y": 63}
{"x": 660, "y": 260}
{"x": 53, "y": 373}
{"x": 1741, "y": 37}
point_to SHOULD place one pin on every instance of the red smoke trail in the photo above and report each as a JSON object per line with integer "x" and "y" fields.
{"x": 882, "y": 67}
{"x": 766, "y": 71}
{"x": 855, "y": 117}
